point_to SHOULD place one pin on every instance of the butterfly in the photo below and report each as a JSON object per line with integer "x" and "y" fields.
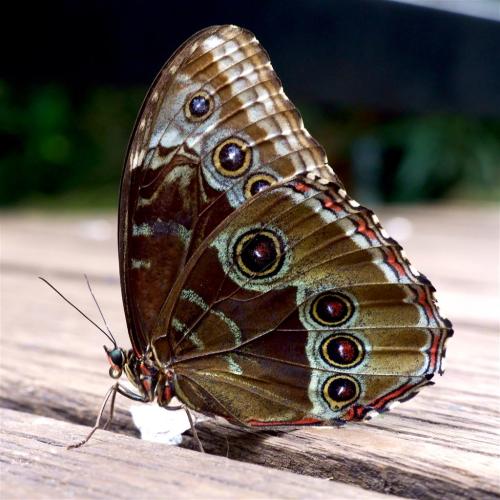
{"x": 254, "y": 287}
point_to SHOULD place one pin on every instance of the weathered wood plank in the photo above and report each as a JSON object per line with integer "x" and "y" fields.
{"x": 443, "y": 443}
{"x": 36, "y": 464}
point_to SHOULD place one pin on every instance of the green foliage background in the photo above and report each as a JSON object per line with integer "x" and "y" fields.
{"x": 66, "y": 150}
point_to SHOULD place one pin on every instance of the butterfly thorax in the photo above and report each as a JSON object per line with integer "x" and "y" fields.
{"x": 151, "y": 383}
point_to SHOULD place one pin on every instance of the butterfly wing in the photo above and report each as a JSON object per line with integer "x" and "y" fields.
{"x": 214, "y": 129}
{"x": 301, "y": 309}
{"x": 276, "y": 298}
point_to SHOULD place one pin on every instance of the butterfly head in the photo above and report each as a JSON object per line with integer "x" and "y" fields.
{"x": 117, "y": 359}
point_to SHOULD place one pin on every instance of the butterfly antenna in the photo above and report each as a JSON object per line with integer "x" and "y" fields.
{"x": 99, "y": 309}
{"x": 109, "y": 336}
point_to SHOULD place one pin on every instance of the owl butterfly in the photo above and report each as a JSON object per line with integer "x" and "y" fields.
{"x": 254, "y": 287}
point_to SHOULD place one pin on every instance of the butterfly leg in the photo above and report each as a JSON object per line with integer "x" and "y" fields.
{"x": 193, "y": 428}
{"x": 191, "y": 423}
{"x": 113, "y": 390}
{"x": 111, "y": 409}
{"x": 111, "y": 393}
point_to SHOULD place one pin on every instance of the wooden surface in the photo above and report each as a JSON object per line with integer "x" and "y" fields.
{"x": 443, "y": 443}
{"x": 37, "y": 463}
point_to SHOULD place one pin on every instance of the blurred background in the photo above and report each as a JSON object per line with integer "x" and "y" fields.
{"x": 404, "y": 96}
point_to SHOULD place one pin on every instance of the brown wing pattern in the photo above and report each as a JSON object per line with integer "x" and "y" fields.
{"x": 214, "y": 129}
{"x": 302, "y": 309}
{"x": 275, "y": 297}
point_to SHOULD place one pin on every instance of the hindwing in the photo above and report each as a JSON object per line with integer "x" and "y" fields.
{"x": 301, "y": 309}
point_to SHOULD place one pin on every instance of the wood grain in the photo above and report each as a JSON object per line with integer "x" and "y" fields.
{"x": 443, "y": 443}
{"x": 36, "y": 464}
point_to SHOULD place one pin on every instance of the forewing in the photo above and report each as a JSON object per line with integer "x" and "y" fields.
{"x": 215, "y": 129}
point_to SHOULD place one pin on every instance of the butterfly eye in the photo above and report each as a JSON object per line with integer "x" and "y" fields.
{"x": 343, "y": 351}
{"x": 340, "y": 391}
{"x": 117, "y": 357}
{"x": 257, "y": 183}
{"x": 259, "y": 254}
{"x": 232, "y": 157}
{"x": 332, "y": 309}
{"x": 199, "y": 106}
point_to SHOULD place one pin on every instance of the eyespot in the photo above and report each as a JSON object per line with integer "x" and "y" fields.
{"x": 232, "y": 157}
{"x": 257, "y": 183}
{"x": 340, "y": 391}
{"x": 342, "y": 351}
{"x": 332, "y": 309}
{"x": 199, "y": 106}
{"x": 259, "y": 253}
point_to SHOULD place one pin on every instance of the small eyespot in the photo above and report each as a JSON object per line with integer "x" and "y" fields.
{"x": 342, "y": 351}
{"x": 259, "y": 253}
{"x": 257, "y": 183}
{"x": 232, "y": 157}
{"x": 340, "y": 391}
{"x": 199, "y": 106}
{"x": 332, "y": 309}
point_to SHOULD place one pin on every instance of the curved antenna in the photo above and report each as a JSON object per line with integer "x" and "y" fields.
{"x": 98, "y": 308}
{"x": 109, "y": 336}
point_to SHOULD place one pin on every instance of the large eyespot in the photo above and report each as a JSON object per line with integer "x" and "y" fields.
{"x": 342, "y": 351}
{"x": 340, "y": 391}
{"x": 259, "y": 253}
{"x": 199, "y": 106}
{"x": 332, "y": 309}
{"x": 232, "y": 157}
{"x": 257, "y": 183}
